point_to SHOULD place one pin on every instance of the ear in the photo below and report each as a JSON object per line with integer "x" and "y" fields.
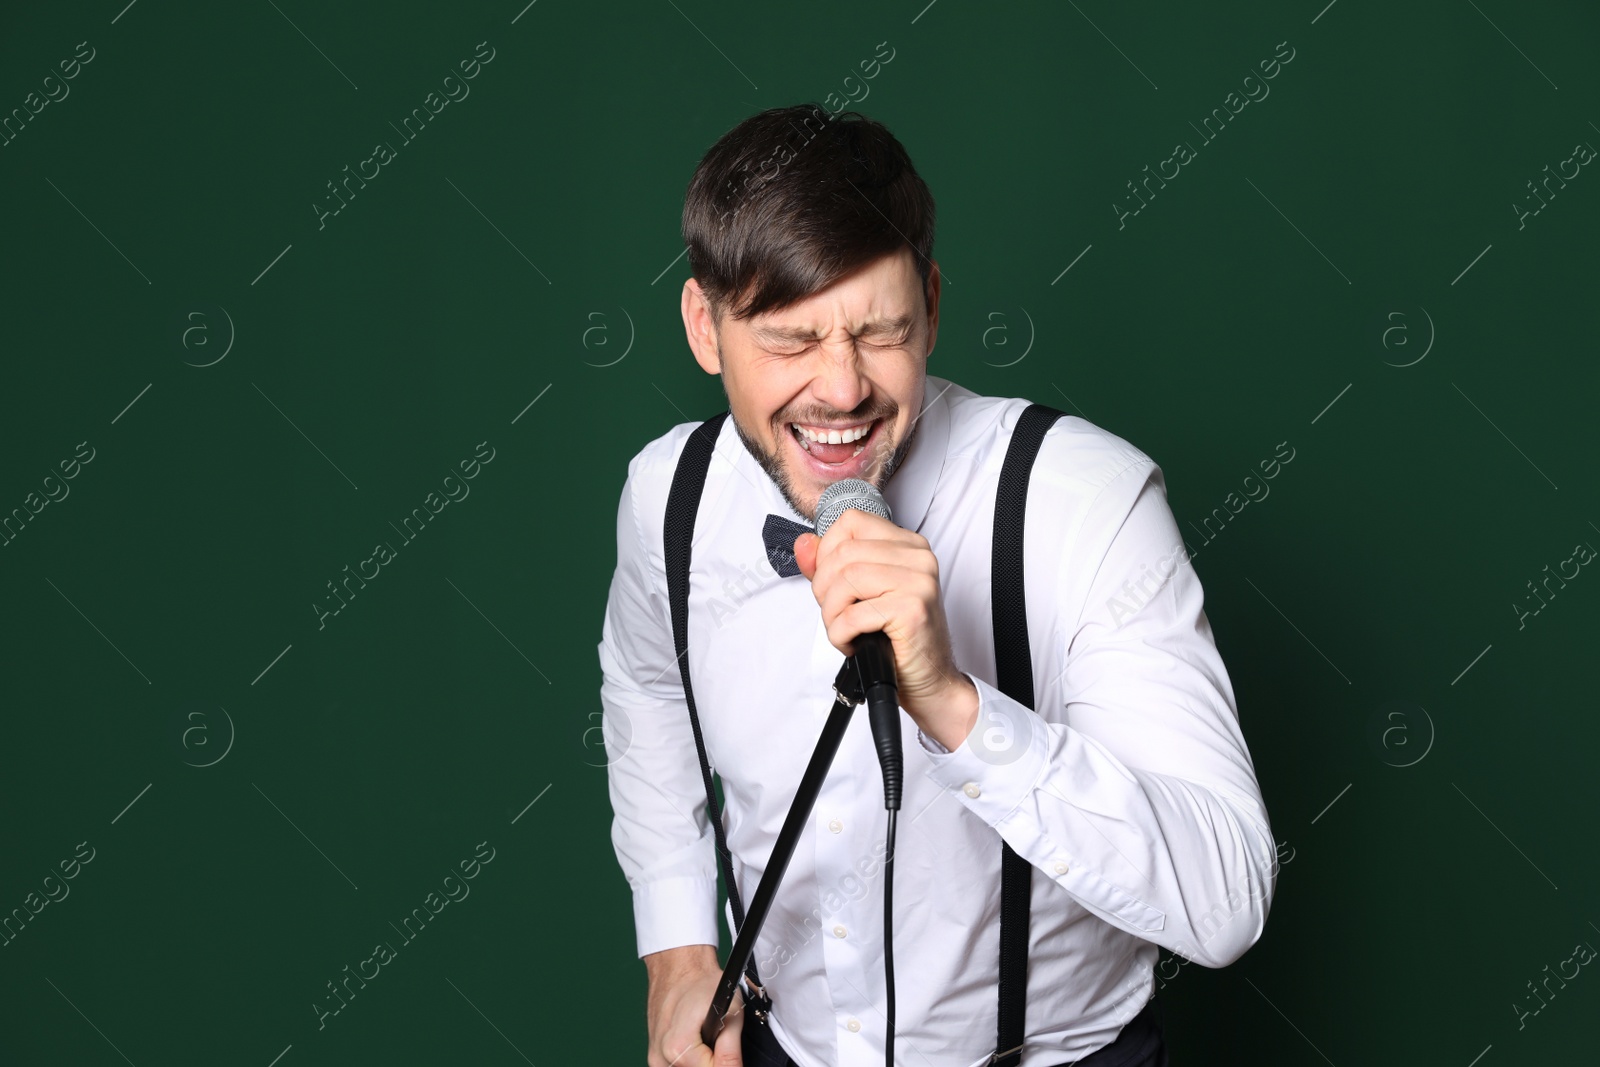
{"x": 700, "y": 328}
{"x": 933, "y": 305}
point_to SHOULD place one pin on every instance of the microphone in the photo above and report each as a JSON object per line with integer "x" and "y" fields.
{"x": 874, "y": 655}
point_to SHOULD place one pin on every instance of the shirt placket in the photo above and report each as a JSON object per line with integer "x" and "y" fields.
{"x": 843, "y": 829}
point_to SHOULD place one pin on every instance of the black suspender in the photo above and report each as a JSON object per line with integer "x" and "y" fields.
{"x": 1014, "y": 677}
{"x": 1014, "y": 673}
{"x": 683, "y": 504}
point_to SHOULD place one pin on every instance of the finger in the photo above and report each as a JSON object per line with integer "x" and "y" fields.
{"x": 907, "y": 551}
{"x": 854, "y": 523}
{"x": 843, "y": 568}
{"x": 899, "y": 620}
{"x": 693, "y": 1054}
{"x": 869, "y": 581}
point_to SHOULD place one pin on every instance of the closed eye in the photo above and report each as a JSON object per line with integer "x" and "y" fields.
{"x": 868, "y": 344}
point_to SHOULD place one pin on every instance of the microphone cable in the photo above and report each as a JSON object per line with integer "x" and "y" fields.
{"x": 883, "y": 714}
{"x": 888, "y": 939}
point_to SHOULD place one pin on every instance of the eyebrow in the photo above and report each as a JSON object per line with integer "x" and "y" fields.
{"x": 875, "y": 328}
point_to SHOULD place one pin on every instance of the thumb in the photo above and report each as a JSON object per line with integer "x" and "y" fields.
{"x": 805, "y": 554}
{"x": 730, "y": 1043}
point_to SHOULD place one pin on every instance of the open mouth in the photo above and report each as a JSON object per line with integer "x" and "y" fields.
{"x": 833, "y": 449}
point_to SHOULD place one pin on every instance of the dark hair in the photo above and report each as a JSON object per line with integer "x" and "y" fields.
{"x": 794, "y": 198}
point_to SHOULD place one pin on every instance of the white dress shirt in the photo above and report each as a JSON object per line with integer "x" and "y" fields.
{"x": 1130, "y": 791}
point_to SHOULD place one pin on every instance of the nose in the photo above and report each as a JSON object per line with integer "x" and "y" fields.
{"x": 840, "y": 382}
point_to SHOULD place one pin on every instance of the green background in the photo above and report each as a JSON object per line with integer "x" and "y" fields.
{"x": 160, "y": 615}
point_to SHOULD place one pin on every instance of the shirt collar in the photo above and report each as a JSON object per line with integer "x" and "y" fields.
{"x": 909, "y": 491}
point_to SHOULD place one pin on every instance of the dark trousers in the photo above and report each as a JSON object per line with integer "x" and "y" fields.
{"x": 1139, "y": 1044}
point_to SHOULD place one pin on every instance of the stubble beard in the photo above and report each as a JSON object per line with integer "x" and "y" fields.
{"x": 886, "y": 459}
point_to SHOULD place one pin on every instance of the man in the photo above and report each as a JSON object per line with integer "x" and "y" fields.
{"x": 1129, "y": 790}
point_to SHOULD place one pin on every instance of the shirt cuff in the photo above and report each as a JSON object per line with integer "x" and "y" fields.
{"x": 1001, "y": 761}
{"x": 672, "y": 912}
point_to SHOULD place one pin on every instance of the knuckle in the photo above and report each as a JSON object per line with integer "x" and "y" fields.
{"x": 838, "y": 635}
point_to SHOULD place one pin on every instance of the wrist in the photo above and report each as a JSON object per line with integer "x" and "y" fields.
{"x": 956, "y": 715}
{"x": 673, "y": 963}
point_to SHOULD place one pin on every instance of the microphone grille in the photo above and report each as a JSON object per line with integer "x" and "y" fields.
{"x": 849, "y": 493}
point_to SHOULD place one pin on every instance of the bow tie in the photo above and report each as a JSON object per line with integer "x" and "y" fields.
{"x": 778, "y": 534}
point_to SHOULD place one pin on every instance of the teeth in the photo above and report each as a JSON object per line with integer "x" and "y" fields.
{"x": 834, "y": 437}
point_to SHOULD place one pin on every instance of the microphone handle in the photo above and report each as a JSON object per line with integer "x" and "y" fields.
{"x": 874, "y": 659}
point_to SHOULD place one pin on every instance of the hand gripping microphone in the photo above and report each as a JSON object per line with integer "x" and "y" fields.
{"x": 874, "y": 655}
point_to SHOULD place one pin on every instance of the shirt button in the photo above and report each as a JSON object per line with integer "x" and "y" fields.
{"x": 971, "y": 789}
{"x": 854, "y": 1026}
{"x": 835, "y": 825}
{"x": 1061, "y": 868}
{"x": 838, "y": 931}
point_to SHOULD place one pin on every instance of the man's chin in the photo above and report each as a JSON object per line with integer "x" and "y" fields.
{"x": 800, "y": 478}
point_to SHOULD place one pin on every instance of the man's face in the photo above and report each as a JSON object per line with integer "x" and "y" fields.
{"x": 846, "y": 364}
